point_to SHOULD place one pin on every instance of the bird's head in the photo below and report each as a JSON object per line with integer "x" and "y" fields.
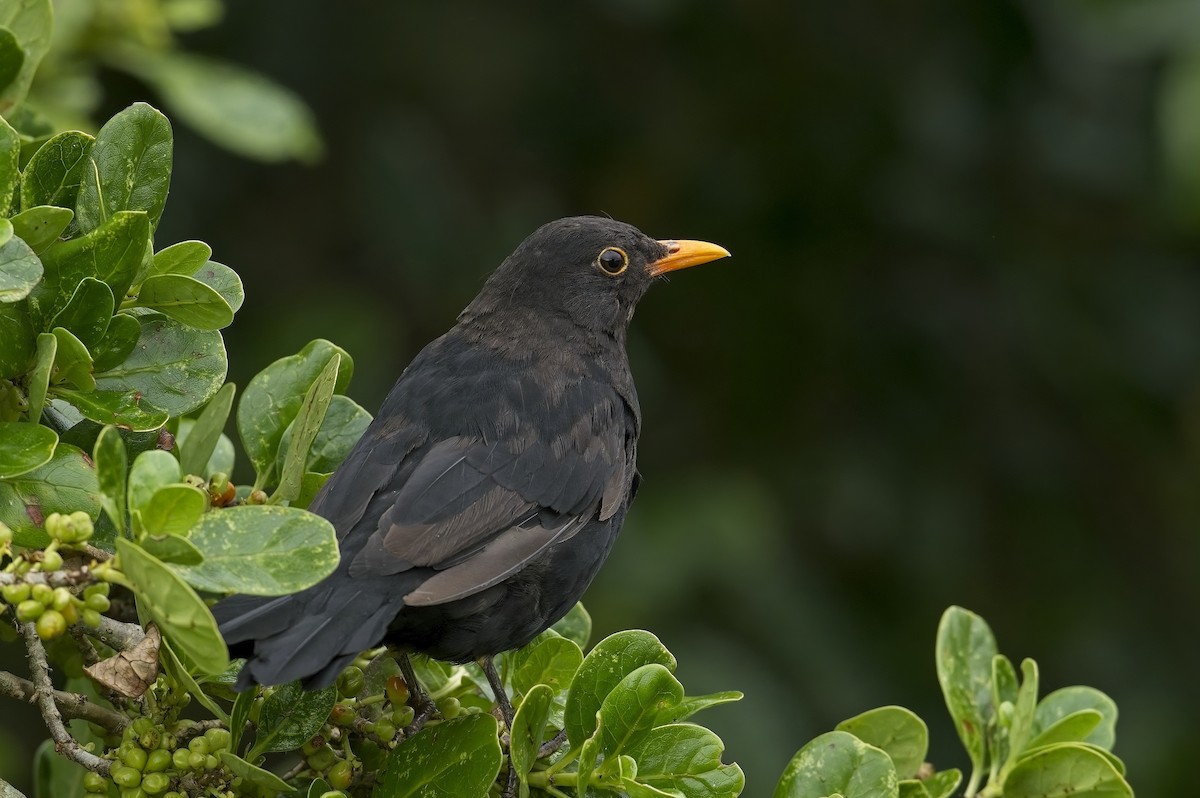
{"x": 588, "y": 270}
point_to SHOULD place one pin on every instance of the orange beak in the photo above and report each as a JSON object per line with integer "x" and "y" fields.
{"x": 682, "y": 254}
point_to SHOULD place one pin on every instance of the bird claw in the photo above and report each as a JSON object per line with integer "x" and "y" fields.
{"x": 423, "y": 706}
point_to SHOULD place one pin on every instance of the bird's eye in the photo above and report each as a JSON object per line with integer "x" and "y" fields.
{"x": 613, "y": 261}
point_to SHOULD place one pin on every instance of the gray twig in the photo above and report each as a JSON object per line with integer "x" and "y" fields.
{"x": 71, "y": 705}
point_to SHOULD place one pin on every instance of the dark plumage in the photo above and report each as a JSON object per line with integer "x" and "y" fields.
{"x": 489, "y": 489}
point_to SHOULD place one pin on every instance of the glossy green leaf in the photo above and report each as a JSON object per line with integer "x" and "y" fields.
{"x": 239, "y": 714}
{"x": 612, "y": 659}
{"x": 1021, "y": 727}
{"x": 6, "y": 230}
{"x": 10, "y": 160}
{"x": 576, "y": 625}
{"x": 1063, "y": 702}
{"x": 129, "y": 169}
{"x": 345, "y": 422}
{"x": 263, "y": 550}
{"x": 20, "y": 270}
{"x": 180, "y": 614}
{"x": 111, "y": 253}
{"x": 273, "y": 397}
{"x": 172, "y": 549}
{"x": 88, "y": 311}
{"x": 686, "y": 759}
{"x": 242, "y": 111}
{"x": 963, "y": 654}
{"x": 197, "y": 447}
{"x": 691, "y": 704}
{"x": 309, "y": 418}
{"x": 551, "y": 661}
{"x": 12, "y": 58}
{"x": 41, "y": 226}
{"x": 39, "y": 376}
{"x": 127, "y": 410}
{"x": 460, "y": 757}
{"x": 896, "y": 731}
{"x": 174, "y": 367}
{"x": 173, "y": 510}
{"x": 186, "y": 300}
{"x": 24, "y": 447}
{"x": 254, "y": 774}
{"x": 529, "y": 728}
{"x": 118, "y": 342}
{"x": 53, "y": 174}
{"x": 112, "y": 464}
{"x": 1072, "y": 728}
{"x": 224, "y": 280}
{"x": 182, "y": 258}
{"x": 65, "y": 484}
{"x": 1004, "y": 681}
{"x": 943, "y": 783}
{"x": 839, "y": 762}
{"x": 290, "y": 716}
{"x": 72, "y": 362}
{"x": 631, "y": 708}
{"x": 151, "y": 471}
{"x": 1068, "y": 769}
{"x": 911, "y": 788}
{"x": 17, "y": 338}
{"x": 30, "y": 21}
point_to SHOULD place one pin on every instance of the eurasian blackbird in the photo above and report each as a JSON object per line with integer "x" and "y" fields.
{"x": 489, "y": 489}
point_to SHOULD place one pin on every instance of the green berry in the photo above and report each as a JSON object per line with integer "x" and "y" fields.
{"x": 181, "y": 759}
{"x": 384, "y": 730}
{"x": 54, "y": 525}
{"x": 43, "y": 593}
{"x": 173, "y": 794}
{"x": 339, "y": 775}
{"x": 96, "y": 589}
{"x": 96, "y": 602}
{"x": 403, "y": 715}
{"x": 397, "y": 690}
{"x": 154, "y": 783}
{"x": 218, "y": 739}
{"x": 321, "y": 759}
{"x": 342, "y": 714}
{"x": 211, "y": 762}
{"x": 142, "y": 725}
{"x": 30, "y": 610}
{"x": 83, "y": 526}
{"x": 90, "y": 618}
{"x": 132, "y": 792}
{"x": 51, "y": 624}
{"x": 196, "y": 760}
{"x": 60, "y": 599}
{"x": 70, "y": 614}
{"x": 150, "y": 740}
{"x": 350, "y": 682}
{"x": 95, "y": 795}
{"x": 333, "y": 794}
{"x": 158, "y": 760}
{"x": 51, "y": 560}
{"x": 450, "y": 708}
{"x": 257, "y": 497}
{"x": 125, "y": 776}
{"x": 15, "y": 594}
{"x": 199, "y": 745}
{"x": 135, "y": 756}
{"x": 94, "y": 782}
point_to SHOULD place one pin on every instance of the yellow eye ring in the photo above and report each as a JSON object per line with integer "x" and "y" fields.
{"x": 612, "y": 261}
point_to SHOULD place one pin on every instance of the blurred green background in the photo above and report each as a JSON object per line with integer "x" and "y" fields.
{"x": 955, "y": 358}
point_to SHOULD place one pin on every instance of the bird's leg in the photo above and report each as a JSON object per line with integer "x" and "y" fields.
{"x": 506, "y": 711}
{"x": 423, "y": 706}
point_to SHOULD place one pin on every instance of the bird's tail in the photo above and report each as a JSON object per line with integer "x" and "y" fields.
{"x": 310, "y": 636}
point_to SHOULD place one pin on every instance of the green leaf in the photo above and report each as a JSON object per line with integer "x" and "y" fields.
{"x": 173, "y": 510}
{"x": 30, "y": 21}
{"x": 151, "y": 470}
{"x": 117, "y": 344}
{"x": 612, "y": 659}
{"x": 964, "y": 651}
{"x": 1021, "y": 729}
{"x": 24, "y": 447}
{"x": 53, "y": 174}
{"x": 17, "y": 343}
{"x": 529, "y": 728}
{"x": 112, "y": 465}
{"x": 345, "y": 422}
{"x": 72, "y": 362}
{"x": 111, "y": 253}
{"x": 690, "y": 705}
{"x": 224, "y": 281}
{"x": 6, "y": 230}
{"x": 129, "y": 169}
{"x": 576, "y": 625}
{"x": 310, "y": 486}
{"x": 911, "y": 788}
{"x": 65, "y": 484}
{"x": 20, "y": 270}
{"x": 185, "y": 299}
{"x": 172, "y": 549}
{"x": 127, "y": 410}
{"x": 176, "y": 669}
{"x": 262, "y": 550}
{"x": 943, "y": 783}
{"x": 180, "y": 614}
{"x": 551, "y": 661}
{"x": 684, "y": 758}
{"x": 88, "y": 311}
{"x": 1004, "y": 681}
{"x": 12, "y": 58}
{"x": 290, "y": 717}
{"x": 41, "y": 226}
{"x": 631, "y": 708}
{"x": 242, "y": 111}
{"x": 1068, "y": 769}
{"x": 1073, "y": 728}
{"x": 895, "y": 730}
{"x": 10, "y": 163}
{"x": 239, "y": 714}
{"x": 460, "y": 757}
{"x": 54, "y": 775}
{"x": 839, "y": 762}
{"x": 1061, "y": 703}
{"x": 174, "y": 367}
{"x": 318, "y": 788}
{"x": 197, "y": 447}
{"x": 308, "y": 422}
{"x": 182, "y": 258}
{"x": 273, "y": 397}
{"x": 254, "y": 774}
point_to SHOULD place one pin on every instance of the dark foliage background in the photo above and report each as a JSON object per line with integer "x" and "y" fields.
{"x": 955, "y": 359}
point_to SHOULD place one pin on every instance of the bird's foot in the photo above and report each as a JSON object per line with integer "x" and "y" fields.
{"x": 423, "y": 706}
{"x": 506, "y": 714}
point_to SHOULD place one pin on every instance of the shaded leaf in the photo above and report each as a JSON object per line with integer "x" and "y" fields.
{"x": 41, "y": 226}
{"x": 943, "y": 783}
{"x": 65, "y": 484}
{"x": 112, "y": 463}
{"x": 254, "y": 774}
{"x": 129, "y": 169}
{"x": 10, "y": 161}
{"x": 88, "y": 311}
{"x": 72, "y": 362}
{"x": 550, "y": 660}
{"x": 460, "y": 757}
{"x": 263, "y": 550}
{"x": 839, "y": 762}
{"x": 151, "y": 471}
{"x": 198, "y": 445}
{"x": 24, "y": 447}
{"x": 529, "y": 728}
{"x": 290, "y": 716}
{"x": 576, "y": 625}
{"x": 126, "y": 410}
{"x": 185, "y": 299}
{"x": 306, "y": 425}
{"x": 345, "y": 422}
{"x": 53, "y": 174}
{"x": 20, "y": 270}
{"x": 12, "y": 58}
{"x": 1067, "y": 769}
{"x": 1074, "y": 727}
{"x": 173, "y": 510}
{"x": 30, "y": 22}
{"x": 224, "y": 280}
{"x": 172, "y": 549}
{"x": 1067, "y": 700}
{"x": 118, "y": 342}
{"x": 17, "y": 343}
{"x": 896, "y": 731}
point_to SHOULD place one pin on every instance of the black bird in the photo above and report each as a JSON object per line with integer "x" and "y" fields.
{"x": 478, "y": 506}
